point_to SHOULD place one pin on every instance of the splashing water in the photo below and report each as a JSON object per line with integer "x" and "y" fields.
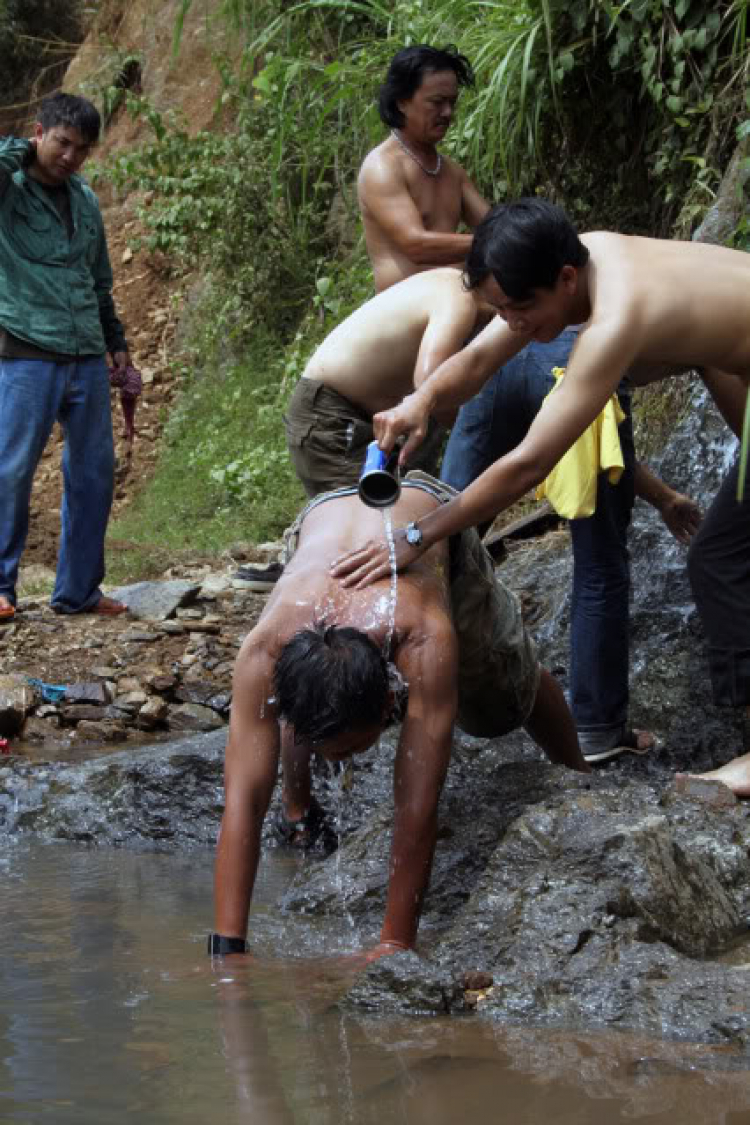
{"x": 340, "y": 783}
{"x": 388, "y": 523}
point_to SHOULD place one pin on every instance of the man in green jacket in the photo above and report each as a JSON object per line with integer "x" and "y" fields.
{"x": 57, "y": 322}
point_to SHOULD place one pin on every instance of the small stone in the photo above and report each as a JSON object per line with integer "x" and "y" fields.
{"x": 138, "y": 636}
{"x": 93, "y": 692}
{"x": 75, "y": 712}
{"x": 127, "y": 683}
{"x": 16, "y": 699}
{"x": 39, "y": 730}
{"x": 153, "y": 713}
{"x": 714, "y": 793}
{"x": 161, "y": 683}
{"x": 475, "y": 980}
{"x": 104, "y": 672}
{"x": 191, "y": 716}
{"x": 172, "y": 627}
{"x": 131, "y": 699}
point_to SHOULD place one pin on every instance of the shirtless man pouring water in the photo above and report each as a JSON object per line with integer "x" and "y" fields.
{"x": 328, "y": 669}
{"x": 649, "y": 307}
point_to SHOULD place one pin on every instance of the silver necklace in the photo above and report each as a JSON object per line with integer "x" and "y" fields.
{"x": 429, "y": 171}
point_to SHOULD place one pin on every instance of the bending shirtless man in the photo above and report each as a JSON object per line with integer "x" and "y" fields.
{"x": 648, "y": 306}
{"x": 413, "y": 198}
{"x": 324, "y": 670}
{"x": 368, "y": 364}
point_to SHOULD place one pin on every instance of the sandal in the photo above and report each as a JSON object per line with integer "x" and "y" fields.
{"x": 310, "y": 831}
{"x": 625, "y": 742}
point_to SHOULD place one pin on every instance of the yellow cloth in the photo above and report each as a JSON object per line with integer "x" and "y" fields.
{"x": 571, "y": 486}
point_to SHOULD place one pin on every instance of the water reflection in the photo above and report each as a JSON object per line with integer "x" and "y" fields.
{"x": 109, "y": 1008}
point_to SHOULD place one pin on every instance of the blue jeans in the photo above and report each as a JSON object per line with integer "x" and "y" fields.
{"x": 34, "y": 394}
{"x": 490, "y": 425}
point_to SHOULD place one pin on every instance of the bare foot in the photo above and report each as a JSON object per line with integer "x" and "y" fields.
{"x": 735, "y": 775}
{"x": 7, "y": 609}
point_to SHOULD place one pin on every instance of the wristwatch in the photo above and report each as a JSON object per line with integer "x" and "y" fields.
{"x": 413, "y": 534}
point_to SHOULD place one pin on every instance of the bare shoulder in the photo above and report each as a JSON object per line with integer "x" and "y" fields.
{"x": 425, "y": 625}
{"x": 380, "y": 165}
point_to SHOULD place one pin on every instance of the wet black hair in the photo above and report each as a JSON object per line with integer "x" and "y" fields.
{"x": 406, "y": 74}
{"x": 330, "y": 679}
{"x": 524, "y": 245}
{"x": 69, "y": 109}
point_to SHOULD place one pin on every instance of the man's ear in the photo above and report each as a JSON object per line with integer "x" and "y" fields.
{"x": 569, "y": 278}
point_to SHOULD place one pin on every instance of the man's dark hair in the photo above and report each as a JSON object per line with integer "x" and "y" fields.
{"x": 329, "y": 679}
{"x": 406, "y": 74}
{"x": 69, "y": 109}
{"x": 524, "y": 245}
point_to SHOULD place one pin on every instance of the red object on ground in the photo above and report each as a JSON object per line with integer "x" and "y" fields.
{"x": 4, "y": 746}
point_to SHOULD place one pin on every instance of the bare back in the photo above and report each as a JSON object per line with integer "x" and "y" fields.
{"x": 307, "y": 591}
{"x": 375, "y": 355}
{"x": 682, "y": 303}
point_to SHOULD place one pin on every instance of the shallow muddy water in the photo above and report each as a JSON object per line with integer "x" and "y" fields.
{"x": 110, "y": 1011}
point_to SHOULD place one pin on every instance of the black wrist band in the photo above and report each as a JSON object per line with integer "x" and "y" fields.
{"x": 219, "y": 946}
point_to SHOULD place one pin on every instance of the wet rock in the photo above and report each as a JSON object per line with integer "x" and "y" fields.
{"x": 158, "y": 795}
{"x": 204, "y": 693}
{"x": 16, "y": 699}
{"x": 156, "y": 601}
{"x": 405, "y": 984}
{"x": 39, "y": 730}
{"x": 193, "y": 717}
{"x": 714, "y": 792}
{"x": 101, "y": 730}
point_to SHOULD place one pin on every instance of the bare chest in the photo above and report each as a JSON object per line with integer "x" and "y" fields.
{"x": 437, "y": 198}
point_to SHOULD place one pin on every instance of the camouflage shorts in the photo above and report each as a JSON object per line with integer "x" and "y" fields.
{"x": 498, "y": 669}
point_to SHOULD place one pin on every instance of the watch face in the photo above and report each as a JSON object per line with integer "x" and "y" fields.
{"x": 413, "y": 535}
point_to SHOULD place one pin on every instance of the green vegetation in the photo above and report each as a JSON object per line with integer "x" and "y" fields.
{"x": 224, "y": 475}
{"x": 39, "y": 37}
{"x": 627, "y": 114}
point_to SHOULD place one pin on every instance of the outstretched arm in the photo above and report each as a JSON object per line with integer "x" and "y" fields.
{"x": 454, "y": 382}
{"x": 251, "y": 766}
{"x": 592, "y": 377}
{"x": 419, "y": 773}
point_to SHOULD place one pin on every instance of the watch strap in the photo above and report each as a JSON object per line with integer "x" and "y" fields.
{"x": 220, "y": 946}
